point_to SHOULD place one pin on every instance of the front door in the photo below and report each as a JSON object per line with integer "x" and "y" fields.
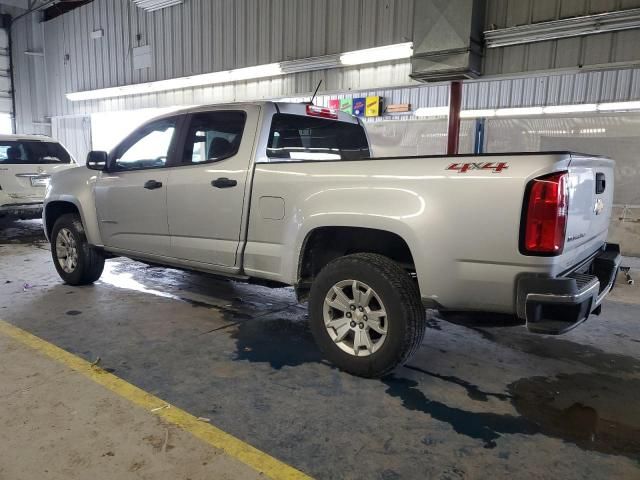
{"x": 131, "y": 198}
{"x": 206, "y": 194}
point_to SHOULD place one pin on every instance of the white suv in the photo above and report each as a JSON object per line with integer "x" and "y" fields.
{"x": 26, "y": 165}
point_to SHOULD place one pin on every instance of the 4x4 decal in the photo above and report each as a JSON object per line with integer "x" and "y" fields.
{"x": 495, "y": 167}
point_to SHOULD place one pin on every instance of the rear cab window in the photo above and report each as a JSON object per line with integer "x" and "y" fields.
{"x": 32, "y": 152}
{"x": 300, "y": 138}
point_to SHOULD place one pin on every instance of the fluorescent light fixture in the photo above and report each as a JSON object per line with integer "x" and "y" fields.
{"x": 153, "y": 5}
{"x": 358, "y": 57}
{"x": 530, "y": 111}
{"x": 432, "y": 112}
{"x": 310, "y": 64}
{"x": 377, "y": 54}
{"x": 581, "y": 108}
{"x": 518, "y": 112}
{"x": 565, "y": 28}
{"x": 478, "y": 113}
{"x": 260, "y": 71}
{"x": 618, "y": 106}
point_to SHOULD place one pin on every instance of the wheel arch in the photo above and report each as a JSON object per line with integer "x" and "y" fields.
{"x": 323, "y": 244}
{"x": 54, "y": 210}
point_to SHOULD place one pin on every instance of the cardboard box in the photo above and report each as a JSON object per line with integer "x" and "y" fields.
{"x": 373, "y": 106}
{"x": 346, "y": 105}
{"x": 359, "y": 106}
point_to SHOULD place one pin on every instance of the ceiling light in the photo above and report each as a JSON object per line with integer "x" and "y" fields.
{"x": 378, "y": 54}
{"x": 152, "y": 5}
{"x": 260, "y": 71}
{"x": 560, "y": 109}
{"x": 477, "y": 113}
{"x": 310, "y": 64}
{"x": 517, "y": 112}
{"x": 370, "y": 55}
{"x": 564, "y": 28}
{"x": 619, "y": 106}
{"x": 432, "y": 112}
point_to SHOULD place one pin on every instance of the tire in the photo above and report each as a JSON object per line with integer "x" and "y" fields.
{"x": 89, "y": 264}
{"x": 394, "y": 292}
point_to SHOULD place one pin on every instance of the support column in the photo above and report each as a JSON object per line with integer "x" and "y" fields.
{"x": 478, "y": 144}
{"x": 455, "y": 105}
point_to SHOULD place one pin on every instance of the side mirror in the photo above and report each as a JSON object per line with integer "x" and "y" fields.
{"x": 97, "y": 160}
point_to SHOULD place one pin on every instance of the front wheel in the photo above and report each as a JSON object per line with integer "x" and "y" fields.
{"x": 366, "y": 314}
{"x": 76, "y": 261}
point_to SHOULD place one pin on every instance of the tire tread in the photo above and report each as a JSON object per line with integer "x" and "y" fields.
{"x": 410, "y": 299}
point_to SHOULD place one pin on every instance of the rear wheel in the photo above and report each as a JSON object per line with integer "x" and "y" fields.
{"x": 366, "y": 314}
{"x": 76, "y": 262}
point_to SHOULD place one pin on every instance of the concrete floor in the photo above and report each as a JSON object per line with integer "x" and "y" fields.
{"x": 59, "y": 424}
{"x": 482, "y": 398}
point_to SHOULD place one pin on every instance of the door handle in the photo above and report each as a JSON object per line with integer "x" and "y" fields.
{"x": 223, "y": 182}
{"x": 152, "y": 184}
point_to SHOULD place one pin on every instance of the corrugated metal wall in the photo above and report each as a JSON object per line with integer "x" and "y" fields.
{"x": 571, "y": 53}
{"x": 201, "y": 36}
{"x": 75, "y": 134}
{"x": 29, "y": 75}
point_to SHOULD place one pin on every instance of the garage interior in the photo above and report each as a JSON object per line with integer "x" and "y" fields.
{"x": 155, "y": 372}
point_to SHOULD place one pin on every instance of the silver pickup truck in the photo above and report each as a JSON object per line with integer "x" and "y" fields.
{"x": 291, "y": 194}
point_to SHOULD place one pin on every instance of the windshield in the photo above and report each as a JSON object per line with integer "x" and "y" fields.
{"x": 32, "y": 152}
{"x": 296, "y": 137}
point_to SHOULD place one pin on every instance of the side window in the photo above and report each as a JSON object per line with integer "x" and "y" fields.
{"x": 213, "y": 136}
{"x": 13, "y": 152}
{"x": 150, "y": 149}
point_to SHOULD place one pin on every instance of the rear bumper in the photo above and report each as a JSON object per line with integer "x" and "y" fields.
{"x": 556, "y": 305}
{"x": 22, "y": 210}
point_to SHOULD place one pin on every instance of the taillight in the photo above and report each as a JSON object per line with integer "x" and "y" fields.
{"x": 545, "y": 220}
{"x": 323, "y": 112}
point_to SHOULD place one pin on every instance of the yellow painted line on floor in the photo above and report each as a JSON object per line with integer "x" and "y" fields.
{"x": 210, "y": 434}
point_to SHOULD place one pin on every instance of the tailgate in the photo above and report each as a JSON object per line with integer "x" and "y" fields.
{"x": 25, "y": 183}
{"x": 591, "y": 186}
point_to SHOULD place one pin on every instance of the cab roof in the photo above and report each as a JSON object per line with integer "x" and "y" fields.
{"x": 281, "y": 107}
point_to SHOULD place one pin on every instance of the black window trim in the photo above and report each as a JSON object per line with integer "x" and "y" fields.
{"x": 186, "y": 126}
{"x": 134, "y": 136}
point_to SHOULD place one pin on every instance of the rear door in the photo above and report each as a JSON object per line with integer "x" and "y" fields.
{"x": 131, "y": 198}
{"x": 208, "y": 184}
{"x": 26, "y": 166}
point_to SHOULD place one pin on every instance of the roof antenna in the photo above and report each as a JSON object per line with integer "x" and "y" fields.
{"x": 315, "y": 93}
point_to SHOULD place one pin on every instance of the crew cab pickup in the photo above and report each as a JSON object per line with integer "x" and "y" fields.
{"x": 26, "y": 163}
{"x": 291, "y": 194}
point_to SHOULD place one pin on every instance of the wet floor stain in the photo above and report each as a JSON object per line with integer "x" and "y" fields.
{"x": 278, "y": 342}
{"x": 592, "y": 411}
{"x": 484, "y": 426}
{"x": 473, "y": 391}
{"x": 23, "y": 232}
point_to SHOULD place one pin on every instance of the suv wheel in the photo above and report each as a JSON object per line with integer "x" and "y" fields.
{"x": 76, "y": 262}
{"x": 366, "y": 314}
